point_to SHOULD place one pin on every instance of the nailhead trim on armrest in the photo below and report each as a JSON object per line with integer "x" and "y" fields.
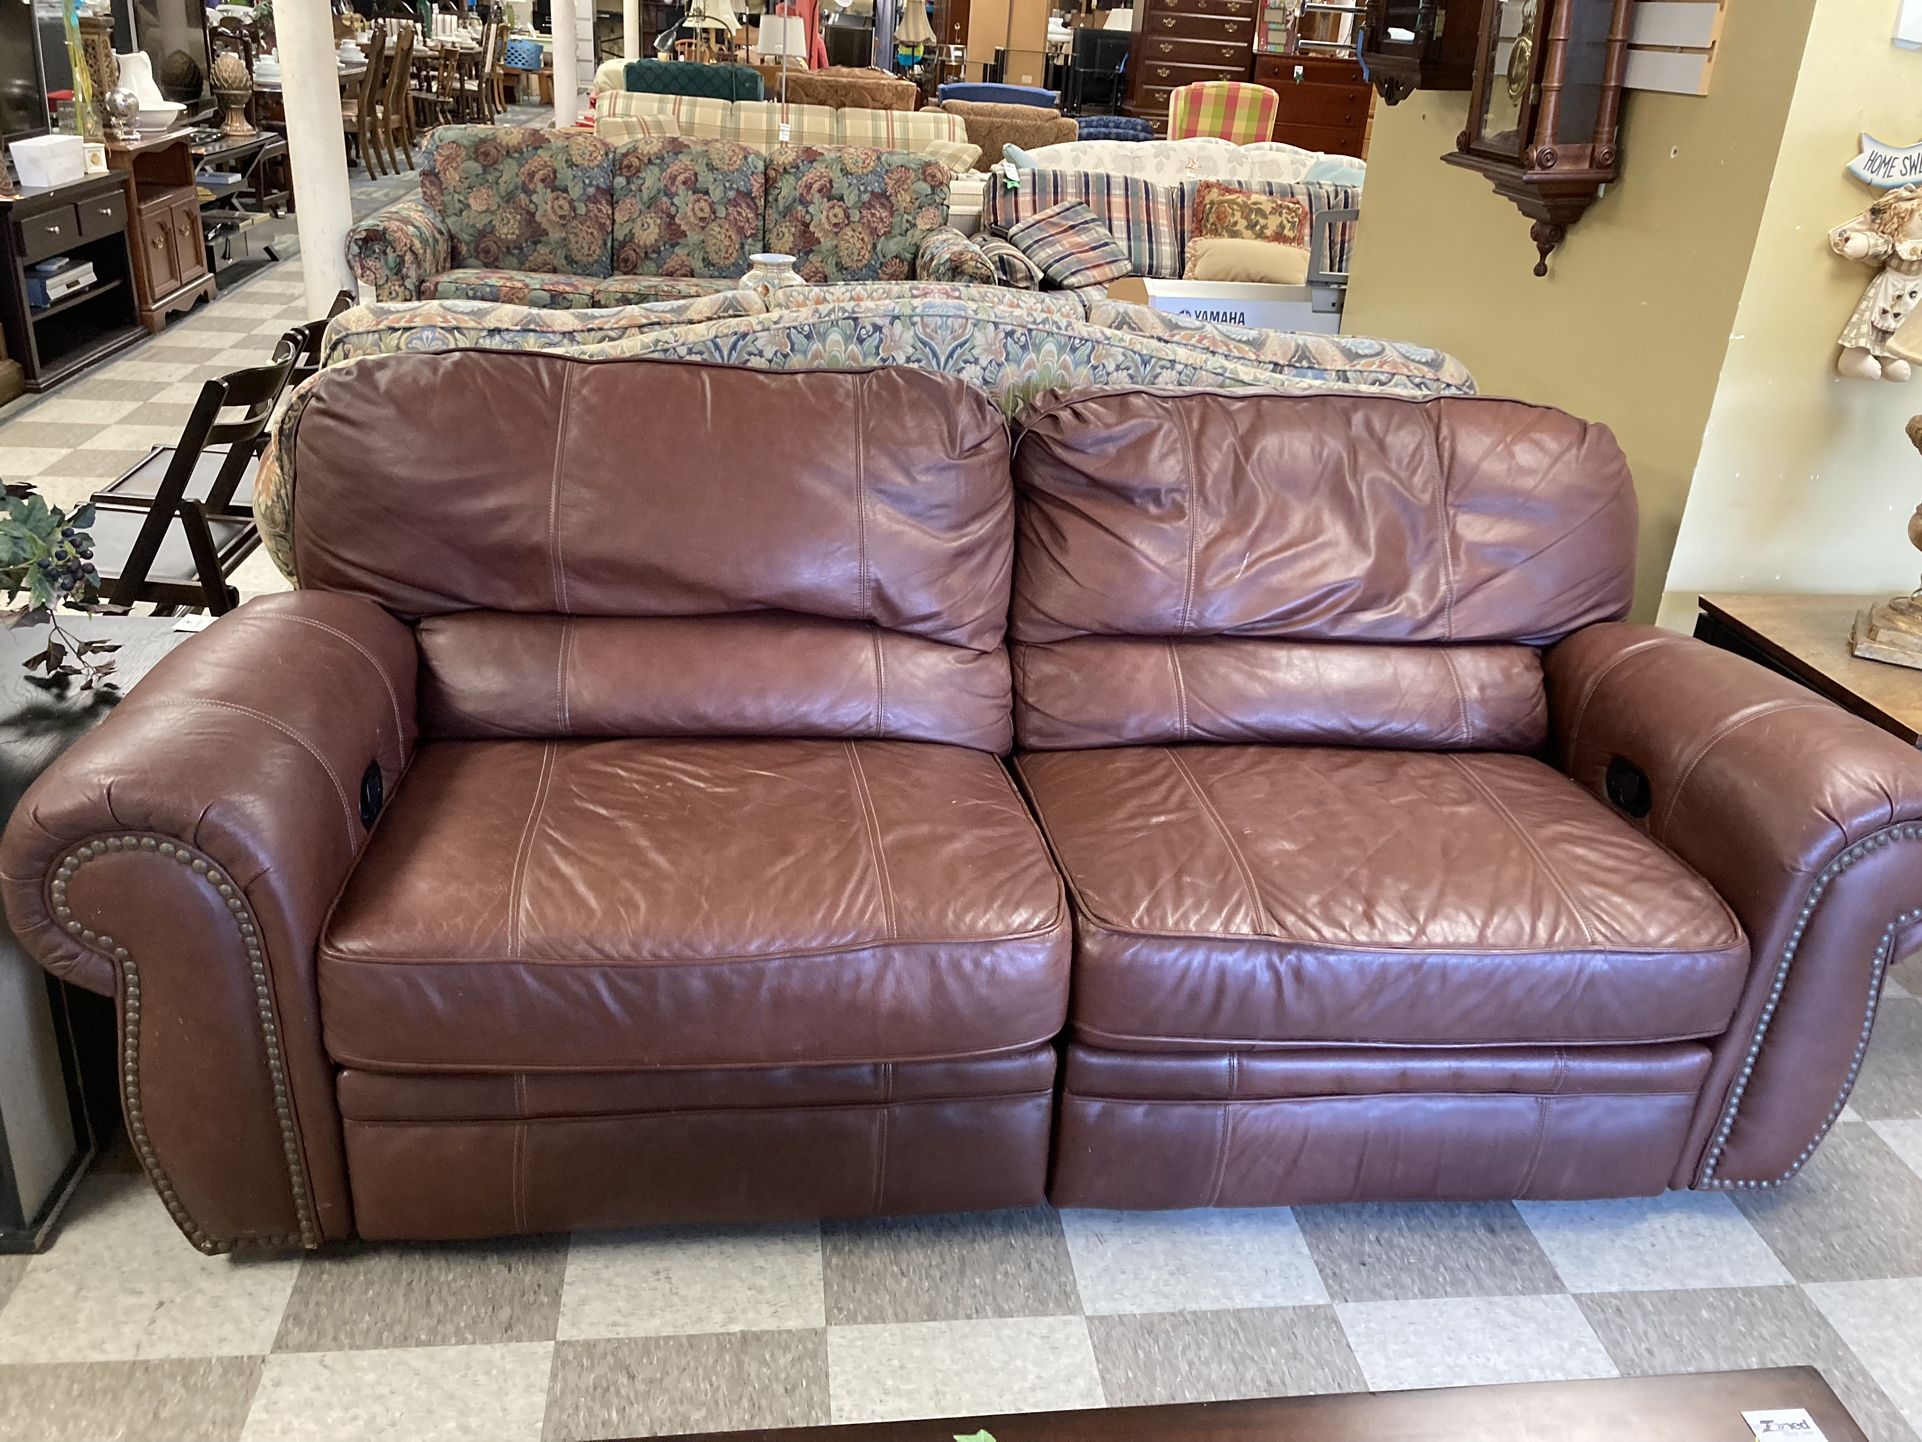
{"x": 211, "y": 874}
{"x": 1847, "y": 858}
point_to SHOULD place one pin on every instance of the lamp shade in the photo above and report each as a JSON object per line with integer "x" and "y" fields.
{"x": 713, "y": 15}
{"x": 914, "y": 28}
{"x": 783, "y": 35}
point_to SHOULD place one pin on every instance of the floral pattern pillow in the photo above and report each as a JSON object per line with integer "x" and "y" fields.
{"x": 852, "y": 213}
{"x": 516, "y": 198}
{"x": 1229, "y": 212}
{"x": 689, "y": 208}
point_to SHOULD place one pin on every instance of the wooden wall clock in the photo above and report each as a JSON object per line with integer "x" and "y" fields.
{"x": 1544, "y": 111}
{"x": 1409, "y": 45}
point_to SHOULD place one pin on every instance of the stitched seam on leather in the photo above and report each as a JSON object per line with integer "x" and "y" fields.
{"x": 1221, "y": 1154}
{"x": 1133, "y": 1042}
{"x": 863, "y": 588}
{"x": 393, "y": 696}
{"x": 1461, "y": 696}
{"x": 340, "y": 791}
{"x": 1720, "y": 734}
{"x": 560, "y": 676}
{"x": 1535, "y": 1154}
{"x": 763, "y": 1108}
{"x": 873, "y": 824}
{"x": 1320, "y": 1098}
{"x": 1580, "y": 713}
{"x": 1181, "y": 690}
{"x": 517, "y": 1178}
{"x": 554, "y": 495}
{"x": 1234, "y": 850}
{"x": 523, "y": 852}
{"x": 880, "y": 686}
{"x": 1194, "y": 475}
{"x": 1533, "y": 847}
{"x": 1446, "y": 531}
{"x": 881, "y": 1135}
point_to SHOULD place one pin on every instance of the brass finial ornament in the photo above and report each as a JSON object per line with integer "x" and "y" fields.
{"x": 1892, "y": 630}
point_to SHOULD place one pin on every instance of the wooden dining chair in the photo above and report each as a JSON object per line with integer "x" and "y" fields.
{"x": 174, "y": 550}
{"x": 433, "y": 93}
{"x": 397, "y": 105}
{"x": 360, "y": 116}
{"x": 493, "y": 77}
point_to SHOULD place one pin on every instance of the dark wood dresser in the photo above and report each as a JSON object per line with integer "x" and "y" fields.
{"x": 1324, "y": 100}
{"x": 86, "y": 220}
{"x": 1178, "y": 42}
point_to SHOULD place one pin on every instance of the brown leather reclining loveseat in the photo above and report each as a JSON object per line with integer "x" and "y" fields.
{"x": 617, "y": 827}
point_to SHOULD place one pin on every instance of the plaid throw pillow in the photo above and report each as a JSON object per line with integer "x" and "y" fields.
{"x": 1071, "y": 246}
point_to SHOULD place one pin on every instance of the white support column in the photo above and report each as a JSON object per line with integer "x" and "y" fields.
{"x": 567, "y": 60}
{"x": 631, "y": 29}
{"x": 316, "y": 147}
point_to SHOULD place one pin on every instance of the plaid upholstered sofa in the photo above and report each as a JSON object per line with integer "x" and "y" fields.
{"x": 565, "y": 219}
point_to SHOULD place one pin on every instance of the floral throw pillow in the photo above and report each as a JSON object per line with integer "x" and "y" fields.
{"x": 1070, "y": 245}
{"x": 1244, "y": 235}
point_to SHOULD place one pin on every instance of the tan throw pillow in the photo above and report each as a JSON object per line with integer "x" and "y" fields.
{"x": 1260, "y": 262}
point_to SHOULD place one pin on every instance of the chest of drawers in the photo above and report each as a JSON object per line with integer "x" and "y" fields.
{"x": 1180, "y": 42}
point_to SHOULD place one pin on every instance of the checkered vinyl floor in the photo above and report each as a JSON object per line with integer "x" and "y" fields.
{"x": 121, "y": 1330}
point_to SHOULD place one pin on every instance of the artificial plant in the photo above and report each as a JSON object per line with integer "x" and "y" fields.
{"x": 46, "y": 562}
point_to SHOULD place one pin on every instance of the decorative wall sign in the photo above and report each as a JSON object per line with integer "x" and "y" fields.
{"x": 1887, "y": 167}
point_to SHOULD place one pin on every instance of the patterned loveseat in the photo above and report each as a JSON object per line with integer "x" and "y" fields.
{"x": 567, "y": 220}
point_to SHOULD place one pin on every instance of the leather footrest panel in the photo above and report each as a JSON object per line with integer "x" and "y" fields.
{"x": 426, "y": 1180}
{"x": 1555, "y": 1140}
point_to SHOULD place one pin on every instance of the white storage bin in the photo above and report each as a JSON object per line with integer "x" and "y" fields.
{"x": 45, "y": 160}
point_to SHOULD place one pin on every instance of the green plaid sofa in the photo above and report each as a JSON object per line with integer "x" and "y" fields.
{"x": 565, "y": 220}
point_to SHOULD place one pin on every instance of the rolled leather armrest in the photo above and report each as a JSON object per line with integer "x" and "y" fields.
{"x": 182, "y": 858}
{"x": 1806, "y": 819}
{"x": 398, "y": 247}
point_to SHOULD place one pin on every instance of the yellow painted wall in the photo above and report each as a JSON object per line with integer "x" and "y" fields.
{"x": 1631, "y": 324}
{"x": 1805, "y": 481}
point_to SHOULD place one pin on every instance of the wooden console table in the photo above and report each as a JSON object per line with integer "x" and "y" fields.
{"x": 87, "y": 220}
{"x": 1806, "y": 638}
{"x": 169, "y": 248}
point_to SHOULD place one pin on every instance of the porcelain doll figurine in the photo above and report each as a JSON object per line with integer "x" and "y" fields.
{"x": 1887, "y": 235}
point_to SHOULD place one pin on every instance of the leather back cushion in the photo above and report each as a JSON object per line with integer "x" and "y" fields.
{"x": 519, "y": 198}
{"x": 1244, "y": 566}
{"x": 657, "y": 548}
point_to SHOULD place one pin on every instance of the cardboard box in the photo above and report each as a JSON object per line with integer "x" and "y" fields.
{"x": 1316, "y": 309}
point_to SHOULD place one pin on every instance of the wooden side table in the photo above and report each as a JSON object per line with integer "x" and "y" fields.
{"x": 58, "y": 1096}
{"x": 1806, "y": 638}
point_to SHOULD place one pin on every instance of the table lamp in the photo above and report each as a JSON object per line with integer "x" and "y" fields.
{"x": 785, "y": 36}
{"x": 714, "y": 15}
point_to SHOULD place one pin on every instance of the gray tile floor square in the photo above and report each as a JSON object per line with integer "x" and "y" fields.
{"x": 1890, "y": 1084}
{"x": 947, "y": 1268}
{"x": 1377, "y": 1252}
{"x": 197, "y": 1399}
{"x": 425, "y": 1296}
{"x": 1153, "y": 1357}
{"x": 730, "y": 1381}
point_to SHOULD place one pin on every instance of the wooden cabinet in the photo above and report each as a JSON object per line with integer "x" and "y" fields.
{"x": 1324, "y": 101}
{"x": 170, "y": 249}
{"x": 1180, "y": 42}
{"x": 88, "y": 221}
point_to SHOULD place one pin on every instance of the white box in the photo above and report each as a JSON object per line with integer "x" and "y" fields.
{"x": 1316, "y": 309}
{"x": 46, "y": 160}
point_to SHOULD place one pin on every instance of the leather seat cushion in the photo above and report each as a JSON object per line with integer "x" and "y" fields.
{"x": 598, "y": 905}
{"x": 1242, "y": 896}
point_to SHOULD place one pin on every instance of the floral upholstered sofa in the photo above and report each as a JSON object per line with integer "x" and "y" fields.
{"x": 562, "y": 219}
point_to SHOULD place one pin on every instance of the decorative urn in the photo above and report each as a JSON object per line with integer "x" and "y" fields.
{"x": 232, "y": 87}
